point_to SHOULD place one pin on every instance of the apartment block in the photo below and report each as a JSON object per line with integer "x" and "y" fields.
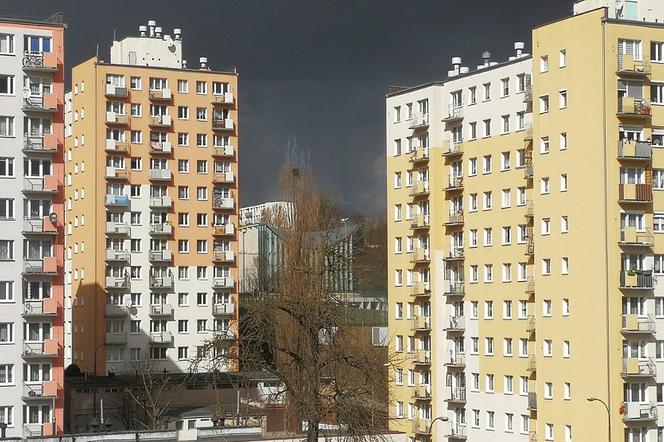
{"x": 31, "y": 219}
{"x": 523, "y": 224}
{"x": 151, "y": 205}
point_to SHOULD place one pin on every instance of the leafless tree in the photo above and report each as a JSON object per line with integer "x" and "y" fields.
{"x": 299, "y": 331}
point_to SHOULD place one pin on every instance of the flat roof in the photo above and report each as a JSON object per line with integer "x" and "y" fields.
{"x": 55, "y": 20}
{"x": 208, "y": 71}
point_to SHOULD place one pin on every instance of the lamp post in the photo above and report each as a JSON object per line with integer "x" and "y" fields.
{"x": 94, "y": 380}
{"x": 439, "y": 418}
{"x": 608, "y": 412}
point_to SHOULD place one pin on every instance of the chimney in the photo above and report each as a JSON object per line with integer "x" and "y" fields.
{"x": 177, "y": 34}
{"x": 157, "y": 32}
{"x": 464, "y": 70}
{"x": 143, "y": 31}
{"x": 519, "y": 45}
{"x": 203, "y": 61}
{"x": 456, "y": 67}
{"x": 486, "y": 58}
{"x": 151, "y": 25}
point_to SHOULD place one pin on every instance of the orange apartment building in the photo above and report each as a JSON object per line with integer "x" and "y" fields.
{"x": 151, "y": 203}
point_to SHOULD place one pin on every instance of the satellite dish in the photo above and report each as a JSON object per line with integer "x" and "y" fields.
{"x": 27, "y": 92}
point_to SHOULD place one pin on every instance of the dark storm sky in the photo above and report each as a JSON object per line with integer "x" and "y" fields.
{"x": 312, "y": 70}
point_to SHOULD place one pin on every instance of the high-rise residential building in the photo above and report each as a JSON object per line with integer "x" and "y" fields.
{"x": 151, "y": 203}
{"x": 523, "y": 222}
{"x": 31, "y": 220}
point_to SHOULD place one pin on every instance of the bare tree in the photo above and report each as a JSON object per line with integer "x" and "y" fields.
{"x": 298, "y": 329}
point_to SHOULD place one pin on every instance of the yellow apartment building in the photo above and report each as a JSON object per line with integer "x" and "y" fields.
{"x": 151, "y": 206}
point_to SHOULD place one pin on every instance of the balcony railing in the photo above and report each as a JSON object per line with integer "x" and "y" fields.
{"x": 531, "y": 324}
{"x": 420, "y": 289}
{"x": 455, "y": 115}
{"x": 161, "y": 229}
{"x": 630, "y": 236}
{"x": 456, "y": 360}
{"x": 422, "y": 392}
{"x": 117, "y": 201}
{"x": 456, "y": 254}
{"x": 452, "y": 148}
{"x": 160, "y": 121}
{"x": 43, "y": 307}
{"x": 47, "y": 266}
{"x": 226, "y": 309}
{"x": 116, "y": 119}
{"x": 224, "y": 98}
{"x": 530, "y": 285}
{"x": 636, "y": 412}
{"x": 635, "y": 193}
{"x": 223, "y": 124}
{"x": 161, "y": 95}
{"x": 421, "y": 426}
{"x": 628, "y": 67}
{"x": 223, "y": 256}
{"x": 454, "y": 183}
{"x": 113, "y": 228}
{"x": 45, "y": 184}
{"x": 117, "y": 255}
{"x": 164, "y": 202}
{"x": 117, "y": 146}
{"x": 420, "y": 323}
{"x": 40, "y": 390}
{"x": 458, "y": 431}
{"x": 160, "y": 255}
{"x": 225, "y": 282}
{"x": 528, "y": 133}
{"x": 39, "y": 226}
{"x": 638, "y": 368}
{"x": 40, "y": 61}
{"x": 46, "y": 103}
{"x": 532, "y": 401}
{"x": 420, "y": 255}
{"x": 112, "y": 310}
{"x": 419, "y": 121}
{"x": 458, "y": 395}
{"x": 161, "y": 310}
{"x": 223, "y": 203}
{"x": 419, "y": 188}
{"x": 456, "y": 324}
{"x": 635, "y": 324}
{"x": 634, "y": 150}
{"x": 454, "y": 288}
{"x": 161, "y": 282}
{"x": 117, "y": 282}
{"x": 636, "y": 279}
{"x": 45, "y": 349}
{"x": 421, "y": 357}
{"x": 224, "y": 229}
{"x": 223, "y": 177}
{"x": 164, "y": 337}
{"x": 114, "y": 91}
{"x": 43, "y": 143}
{"x": 634, "y": 108}
{"x": 115, "y": 173}
{"x": 528, "y": 93}
{"x": 113, "y": 338}
{"x": 161, "y": 147}
{"x": 223, "y": 151}
{"x": 455, "y": 219}
{"x": 161, "y": 175}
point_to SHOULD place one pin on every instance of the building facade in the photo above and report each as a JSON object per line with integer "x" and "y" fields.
{"x": 31, "y": 212}
{"x": 523, "y": 225}
{"x": 152, "y": 197}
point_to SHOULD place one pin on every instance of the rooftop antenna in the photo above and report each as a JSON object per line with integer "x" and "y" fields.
{"x": 114, "y": 36}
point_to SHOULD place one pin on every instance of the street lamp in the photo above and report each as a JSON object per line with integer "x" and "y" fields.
{"x": 439, "y": 418}
{"x": 94, "y": 389}
{"x": 608, "y": 412}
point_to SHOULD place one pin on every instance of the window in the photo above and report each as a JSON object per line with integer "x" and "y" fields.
{"x": 546, "y": 226}
{"x": 544, "y": 63}
{"x": 656, "y": 50}
{"x": 183, "y": 139}
{"x": 544, "y": 104}
{"x": 183, "y": 86}
{"x": 488, "y": 201}
{"x": 505, "y": 82}
{"x": 505, "y": 161}
{"x": 546, "y": 266}
{"x": 486, "y": 87}
{"x": 506, "y": 124}
{"x": 562, "y": 58}
{"x": 507, "y": 198}
{"x": 6, "y": 209}
{"x": 486, "y": 164}
{"x": 6, "y": 85}
{"x": 183, "y": 112}
{"x": 544, "y": 185}
{"x": 6, "y": 250}
{"x": 6, "y": 126}
{"x": 544, "y": 145}
{"x": 472, "y": 202}
{"x": 6, "y": 291}
{"x": 566, "y": 349}
{"x": 135, "y": 83}
{"x": 473, "y": 130}
{"x": 7, "y": 332}
{"x": 548, "y": 431}
{"x": 488, "y": 347}
{"x": 490, "y": 385}
{"x": 565, "y": 307}
{"x": 548, "y": 390}
{"x": 509, "y": 384}
{"x": 488, "y": 309}
{"x": 562, "y": 95}
{"x": 487, "y": 128}
{"x": 472, "y": 95}
{"x": 6, "y": 47}
{"x": 488, "y": 237}
{"x": 564, "y": 265}
{"x": 201, "y": 87}
{"x": 563, "y": 141}
{"x": 564, "y": 224}
{"x": 507, "y": 347}
{"x": 6, "y": 374}
{"x": 472, "y": 167}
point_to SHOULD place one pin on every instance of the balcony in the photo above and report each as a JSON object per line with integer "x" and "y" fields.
{"x": 35, "y": 430}
{"x": 454, "y": 148}
{"x": 160, "y": 255}
{"x": 47, "y": 266}
{"x": 117, "y": 282}
{"x": 531, "y": 324}
{"x": 164, "y": 229}
{"x": 223, "y": 256}
{"x": 528, "y": 94}
{"x": 115, "y": 173}
{"x": 532, "y": 401}
{"x": 224, "y": 229}
{"x": 46, "y": 184}
{"x": 530, "y": 209}
{"x": 112, "y": 310}
{"x": 117, "y": 201}
{"x": 164, "y": 337}
{"x": 223, "y": 178}
{"x": 454, "y": 183}
{"x": 635, "y": 193}
{"x": 454, "y": 116}
{"x": 631, "y": 237}
{"x": 455, "y": 219}
{"x": 161, "y": 147}
{"x": 115, "y": 338}
{"x": 630, "y": 150}
{"x": 420, "y": 256}
{"x": 225, "y": 309}
{"x": 636, "y": 280}
{"x": 118, "y": 255}
{"x": 418, "y": 121}
{"x": 528, "y": 170}
{"x": 634, "y": 108}
{"x": 422, "y": 393}
{"x": 457, "y": 360}
{"x": 39, "y": 226}
{"x": 117, "y": 146}
{"x": 420, "y": 323}
{"x": 223, "y": 203}
{"x": 160, "y": 311}
{"x": 419, "y": 155}
{"x": 422, "y": 426}
{"x": 530, "y": 285}
{"x": 455, "y": 324}
{"x": 161, "y": 95}
{"x": 40, "y": 390}
{"x": 532, "y": 364}
{"x": 113, "y": 228}
{"x": 419, "y": 188}
{"x": 114, "y": 119}
{"x": 420, "y": 222}
{"x": 164, "y": 202}
{"x": 420, "y": 289}
{"x": 628, "y": 67}
{"x": 457, "y": 396}
{"x": 40, "y": 61}
{"x": 225, "y": 282}
{"x": 40, "y": 308}
{"x": 47, "y": 103}
{"x": 421, "y": 357}
{"x": 223, "y": 124}
{"x": 162, "y": 282}
{"x": 638, "y": 413}
{"x": 36, "y": 350}
{"x": 638, "y": 368}
{"x": 454, "y": 288}
{"x": 113, "y": 91}
{"x": 161, "y": 175}
{"x": 457, "y": 432}
{"x": 637, "y": 325}
{"x": 160, "y": 121}
{"x": 528, "y": 133}
{"x": 45, "y": 143}
{"x": 456, "y": 254}
{"x": 225, "y": 98}
{"x": 530, "y": 244}
{"x": 223, "y": 152}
